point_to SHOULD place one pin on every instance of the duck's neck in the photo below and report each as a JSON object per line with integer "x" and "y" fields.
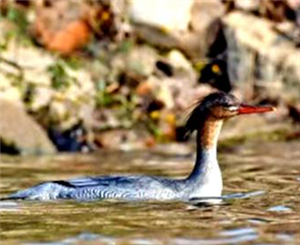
{"x": 206, "y": 160}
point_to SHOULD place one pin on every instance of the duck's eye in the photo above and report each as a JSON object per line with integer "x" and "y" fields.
{"x": 232, "y": 108}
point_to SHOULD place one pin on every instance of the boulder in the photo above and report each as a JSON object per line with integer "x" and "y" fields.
{"x": 51, "y": 83}
{"x": 191, "y": 26}
{"x": 20, "y": 131}
{"x": 166, "y": 13}
{"x": 247, "y": 5}
{"x": 139, "y": 60}
{"x": 62, "y": 26}
{"x": 7, "y": 91}
{"x": 121, "y": 139}
{"x": 261, "y": 58}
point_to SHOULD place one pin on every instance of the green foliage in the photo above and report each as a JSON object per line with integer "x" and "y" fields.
{"x": 73, "y": 62}
{"x": 18, "y": 17}
{"x": 60, "y": 78}
{"x": 125, "y": 46}
{"x": 5, "y": 40}
{"x": 124, "y": 106}
{"x": 103, "y": 98}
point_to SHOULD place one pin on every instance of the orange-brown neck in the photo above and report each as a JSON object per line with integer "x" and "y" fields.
{"x": 206, "y": 167}
{"x": 208, "y": 133}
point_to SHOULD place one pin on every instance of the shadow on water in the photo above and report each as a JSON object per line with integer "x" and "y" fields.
{"x": 261, "y": 202}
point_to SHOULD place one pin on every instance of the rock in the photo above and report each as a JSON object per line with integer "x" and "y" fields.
{"x": 277, "y": 11}
{"x": 202, "y": 18}
{"x": 169, "y": 15}
{"x": 294, "y": 4}
{"x": 172, "y": 87}
{"x": 67, "y": 104}
{"x": 247, "y": 5}
{"x": 144, "y": 89}
{"x": 179, "y": 61}
{"x": 165, "y": 94}
{"x": 121, "y": 139}
{"x": 21, "y": 68}
{"x": 206, "y": 28}
{"x": 258, "y": 53}
{"x": 62, "y": 26}
{"x": 42, "y": 97}
{"x": 139, "y": 60}
{"x": 7, "y": 91}
{"x": 204, "y": 13}
{"x": 29, "y": 59}
{"x": 73, "y": 36}
{"x": 19, "y": 130}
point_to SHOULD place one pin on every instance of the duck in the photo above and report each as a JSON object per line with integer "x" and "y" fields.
{"x": 205, "y": 179}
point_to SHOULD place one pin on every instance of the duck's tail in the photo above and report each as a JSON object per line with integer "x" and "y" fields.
{"x": 27, "y": 194}
{"x": 43, "y": 191}
{"x": 10, "y": 198}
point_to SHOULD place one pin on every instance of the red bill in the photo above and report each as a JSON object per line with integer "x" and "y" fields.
{"x": 248, "y": 109}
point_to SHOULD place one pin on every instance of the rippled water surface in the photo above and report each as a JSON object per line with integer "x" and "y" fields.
{"x": 269, "y": 212}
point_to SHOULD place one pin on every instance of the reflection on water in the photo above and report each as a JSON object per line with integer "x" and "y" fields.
{"x": 261, "y": 201}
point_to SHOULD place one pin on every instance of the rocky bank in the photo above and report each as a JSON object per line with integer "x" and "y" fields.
{"x": 79, "y": 75}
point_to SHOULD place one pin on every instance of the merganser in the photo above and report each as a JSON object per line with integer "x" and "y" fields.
{"x": 204, "y": 181}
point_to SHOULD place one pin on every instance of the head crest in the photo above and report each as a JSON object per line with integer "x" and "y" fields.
{"x": 200, "y": 111}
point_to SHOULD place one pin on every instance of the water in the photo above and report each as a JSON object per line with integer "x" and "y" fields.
{"x": 261, "y": 206}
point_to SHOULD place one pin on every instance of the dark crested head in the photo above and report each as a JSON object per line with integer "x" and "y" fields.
{"x": 220, "y": 106}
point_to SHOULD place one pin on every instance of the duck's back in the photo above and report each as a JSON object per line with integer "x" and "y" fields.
{"x": 105, "y": 187}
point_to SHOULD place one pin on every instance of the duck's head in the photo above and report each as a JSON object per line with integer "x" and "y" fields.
{"x": 220, "y": 106}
